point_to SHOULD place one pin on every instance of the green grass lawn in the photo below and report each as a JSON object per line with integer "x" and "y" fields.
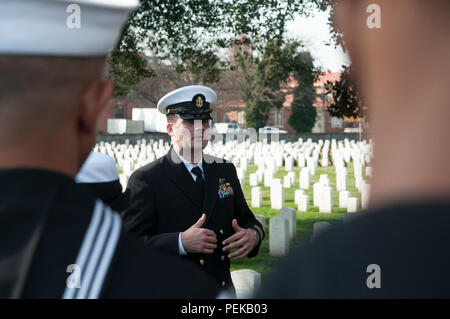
{"x": 264, "y": 263}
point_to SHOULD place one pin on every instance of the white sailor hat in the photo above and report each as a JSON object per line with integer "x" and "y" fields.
{"x": 99, "y": 174}
{"x": 189, "y": 102}
{"x": 62, "y": 27}
{"x": 97, "y": 168}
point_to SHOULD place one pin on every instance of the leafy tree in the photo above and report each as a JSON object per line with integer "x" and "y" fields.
{"x": 303, "y": 116}
{"x": 266, "y": 82}
{"x": 346, "y": 98}
{"x": 192, "y": 34}
{"x": 260, "y": 87}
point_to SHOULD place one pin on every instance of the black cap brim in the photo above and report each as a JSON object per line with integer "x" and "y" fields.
{"x": 190, "y": 116}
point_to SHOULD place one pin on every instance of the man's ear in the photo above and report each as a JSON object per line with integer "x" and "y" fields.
{"x": 93, "y": 102}
{"x": 169, "y": 128}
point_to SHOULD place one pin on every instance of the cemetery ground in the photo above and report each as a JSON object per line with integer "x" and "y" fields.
{"x": 264, "y": 263}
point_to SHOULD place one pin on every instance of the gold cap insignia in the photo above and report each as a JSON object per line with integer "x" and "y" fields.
{"x": 199, "y": 100}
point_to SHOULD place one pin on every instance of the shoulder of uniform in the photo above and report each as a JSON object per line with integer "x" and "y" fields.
{"x": 148, "y": 170}
{"x": 215, "y": 160}
{"x": 97, "y": 251}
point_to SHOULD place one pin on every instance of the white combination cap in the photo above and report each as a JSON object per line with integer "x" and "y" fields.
{"x": 62, "y": 27}
{"x": 189, "y": 102}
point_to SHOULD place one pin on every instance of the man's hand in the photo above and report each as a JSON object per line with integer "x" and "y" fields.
{"x": 199, "y": 240}
{"x": 243, "y": 238}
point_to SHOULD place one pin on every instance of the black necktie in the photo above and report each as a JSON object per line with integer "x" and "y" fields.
{"x": 199, "y": 181}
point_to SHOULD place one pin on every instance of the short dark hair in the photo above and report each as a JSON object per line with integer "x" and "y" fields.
{"x": 172, "y": 119}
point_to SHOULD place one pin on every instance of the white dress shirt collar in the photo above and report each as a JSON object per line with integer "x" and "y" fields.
{"x": 189, "y": 166}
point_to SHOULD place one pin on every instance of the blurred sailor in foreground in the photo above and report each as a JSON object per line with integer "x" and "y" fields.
{"x": 100, "y": 176}
{"x": 188, "y": 203}
{"x": 399, "y": 247}
{"x": 56, "y": 240}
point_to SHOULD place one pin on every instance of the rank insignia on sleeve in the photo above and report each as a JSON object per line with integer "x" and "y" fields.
{"x": 225, "y": 190}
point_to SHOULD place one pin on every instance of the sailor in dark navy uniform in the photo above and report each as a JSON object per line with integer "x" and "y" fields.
{"x": 99, "y": 175}
{"x": 56, "y": 239}
{"x": 188, "y": 203}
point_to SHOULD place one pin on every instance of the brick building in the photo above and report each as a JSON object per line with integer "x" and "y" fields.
{"x": 231, "y": 108}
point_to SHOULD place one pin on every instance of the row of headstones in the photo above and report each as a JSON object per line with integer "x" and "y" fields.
{"x": 282, "y": 153}
{"x": 298, "y": 151}
{"x": 283, "y": 228}
{"x": 130, "y": 159}
{"x": 322, "y": 198}
{"x": 322, "y": 194}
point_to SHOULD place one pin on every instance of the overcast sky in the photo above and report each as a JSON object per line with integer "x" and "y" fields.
{"x": 314, "y": 31}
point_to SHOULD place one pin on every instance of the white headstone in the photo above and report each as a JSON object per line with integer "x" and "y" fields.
{"x": 268, "y": 175}
{"x": 301, "y": 160}
{"x": 365, "y": 193}
{"x": 290, "y": 214}
{"x": 256, "y": 197}
{"x": 324, "y": 161}
{"x": 305, "y": 178}
{"x": 278, "y": 236}
{"x": 240, "y": 172}
{"x": 276, "y": 194}
{"x": 127, "y": 166}
{"x": 253, "y": 179}
{"x": 317, "y": 193}
{"x": 246, "y": 282}
{"x": 292, "y": 176}
{"x": 297, "y": 195}
{"x": 303, "y": 203}
{"x": 260, "y": 175}
{"x": 341, "y": 179}
{"x": 289, "y": 164}
{"x": 244, "y": 163}
{"x": 343, "y": 197}
{"x": 326, "y": 200}
{"x": 369, "y": 171}
{"x": 311, "y": 164}
{"x": 287, "y": 181}
{"x": 352, "y": 204}
{"x": 324, "y": 180}
{"x": 123, "y": 179}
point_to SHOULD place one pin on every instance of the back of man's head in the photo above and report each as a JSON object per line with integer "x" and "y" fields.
{"x": 51, "y": 88}
{"x": 42, "y": 93}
